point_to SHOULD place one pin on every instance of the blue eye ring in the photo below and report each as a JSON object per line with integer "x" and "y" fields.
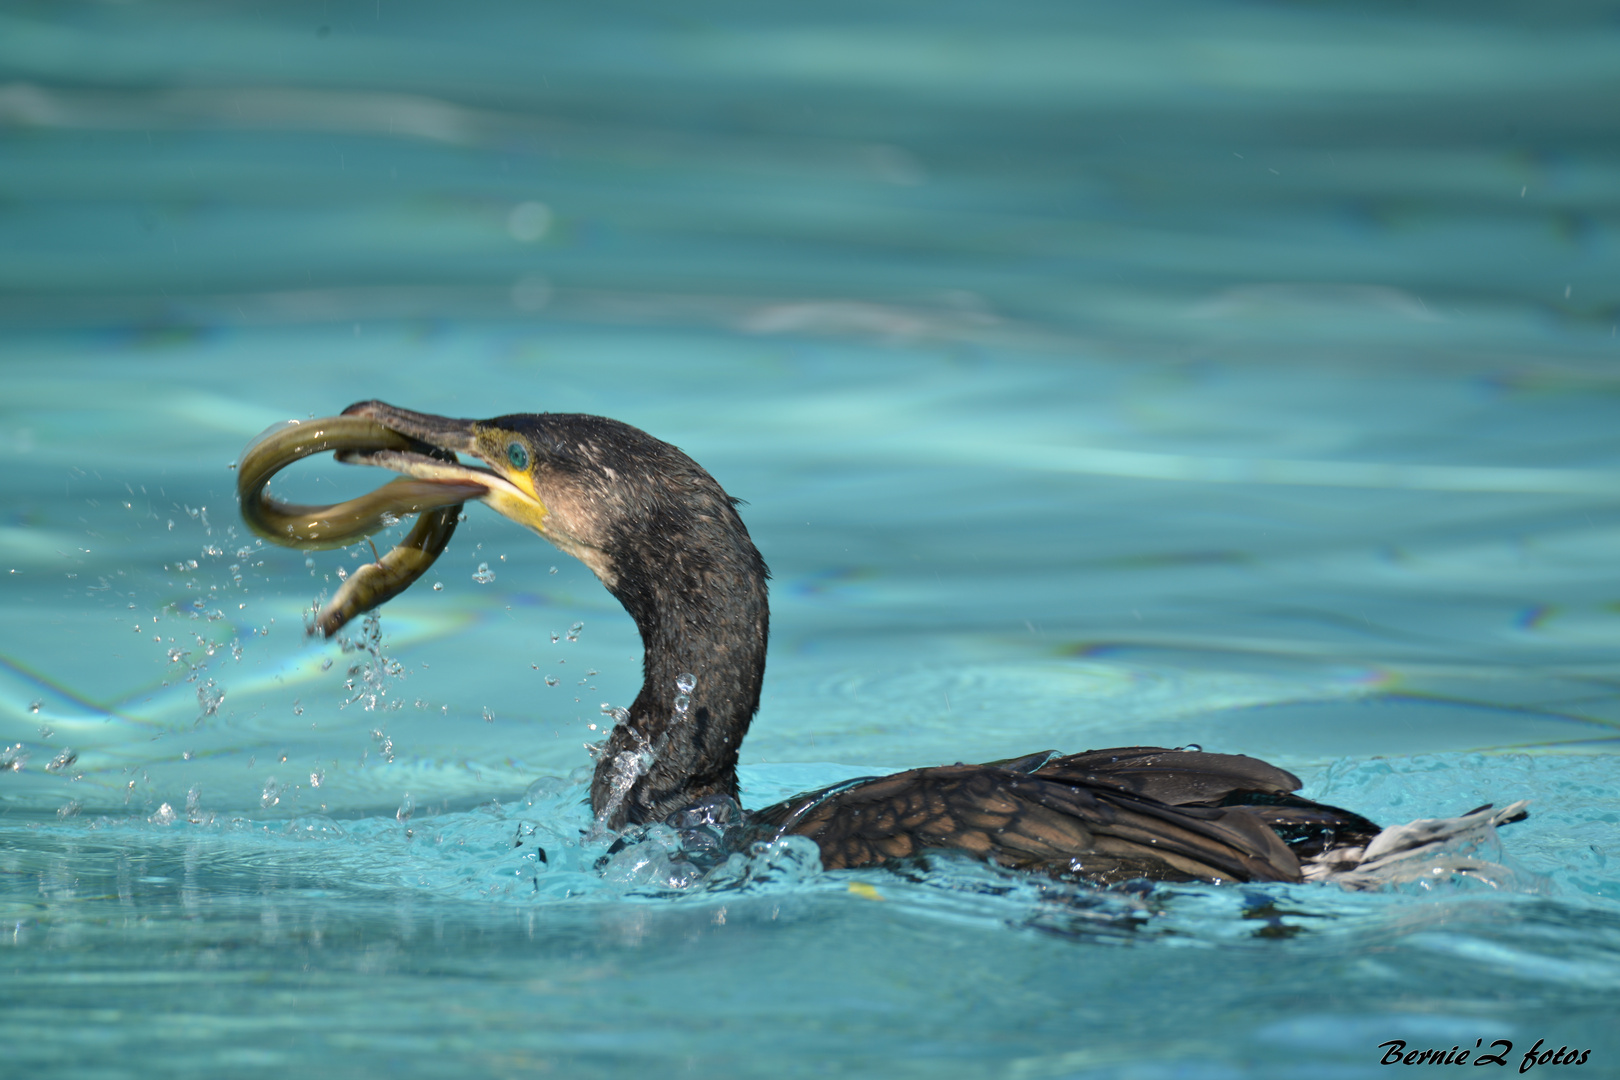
{"x": 518, "y": 455}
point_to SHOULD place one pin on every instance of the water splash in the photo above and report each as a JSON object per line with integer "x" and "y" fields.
{"x": 209, "y": 698}
{"x": 370, "y": 677}
{"x": 13, "y": 758}
{"x": 628, "y": 767}
{"x": 484, "y": 574}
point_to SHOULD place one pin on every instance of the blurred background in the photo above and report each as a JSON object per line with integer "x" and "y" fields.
{"x": 1239, "y": 373}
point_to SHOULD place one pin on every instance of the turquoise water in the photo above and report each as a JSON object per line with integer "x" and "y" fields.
{"x": 1234, "y": 374}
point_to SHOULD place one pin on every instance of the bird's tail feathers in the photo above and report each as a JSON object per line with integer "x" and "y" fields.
{"x": 1424, "y": 851}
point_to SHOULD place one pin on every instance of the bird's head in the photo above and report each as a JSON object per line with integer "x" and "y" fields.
{"x": 600, "y": 490}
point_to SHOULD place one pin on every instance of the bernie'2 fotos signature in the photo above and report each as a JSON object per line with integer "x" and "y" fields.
{"x": 1498, "y": 1053}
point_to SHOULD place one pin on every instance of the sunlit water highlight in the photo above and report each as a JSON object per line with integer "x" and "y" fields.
{"x": 1227, "y": 375}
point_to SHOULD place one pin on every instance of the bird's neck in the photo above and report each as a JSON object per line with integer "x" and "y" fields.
{"x": 704, "y": 623}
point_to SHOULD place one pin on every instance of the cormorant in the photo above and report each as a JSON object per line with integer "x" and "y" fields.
{"x": 667, "y": 541}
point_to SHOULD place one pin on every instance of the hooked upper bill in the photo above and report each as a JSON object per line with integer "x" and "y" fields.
{"x": 506, "y": 490}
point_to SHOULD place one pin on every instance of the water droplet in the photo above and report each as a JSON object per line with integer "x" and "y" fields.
{"x": 489, "y": 717}
{"x": 555, "y": 637}
{"x": 551, "y": 680}
{"x": 438, "y": 586}
{"x": 317, "y": 778}
{"x": 271, "y": 795}
{"x": 326, "y": 665}
{"x": 682, "y": 703}
{"x": 553, "y": 570}
{"x": 165, "y": 815}
{"x": 34, "y": 706}
{"x": 71, "y": 809}
{"x": 298, "y": 707}
{"x": 685, "y": 682}
{"x": 309, "y": 563}
{"x": 484, "y": 575}
{"x": 209, "y": 698}
{"x": 62, "y": 761}
{"x": 46, "y": 731}
{"x": 407, "y": 807}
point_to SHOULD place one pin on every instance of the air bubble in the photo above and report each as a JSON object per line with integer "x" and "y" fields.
{"x": 309, "y": 563}
{"x": 686, "y": 682}
{"x": 484, "y": 575}
{"x": 438, "y": 586}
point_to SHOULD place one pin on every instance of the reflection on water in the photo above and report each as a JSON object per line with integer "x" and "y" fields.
{"x": 1219, "y": 374}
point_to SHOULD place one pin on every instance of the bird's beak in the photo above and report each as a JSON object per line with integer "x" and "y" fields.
{"x": 506, "y": 491}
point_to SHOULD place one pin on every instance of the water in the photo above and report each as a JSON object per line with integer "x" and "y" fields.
{"x": 1230, "y": 374}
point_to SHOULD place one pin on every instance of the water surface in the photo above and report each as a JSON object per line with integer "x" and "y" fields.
{"x": 1230, "y": 374}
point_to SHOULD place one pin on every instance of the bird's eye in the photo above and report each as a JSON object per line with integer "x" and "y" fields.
{"x": 518, "y": 455}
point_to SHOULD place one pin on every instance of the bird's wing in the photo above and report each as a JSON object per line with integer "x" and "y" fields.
{"x": 1187, "y": 778}
{"x": 1177, "y": 777}
{"x": 1030, "y": 821}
